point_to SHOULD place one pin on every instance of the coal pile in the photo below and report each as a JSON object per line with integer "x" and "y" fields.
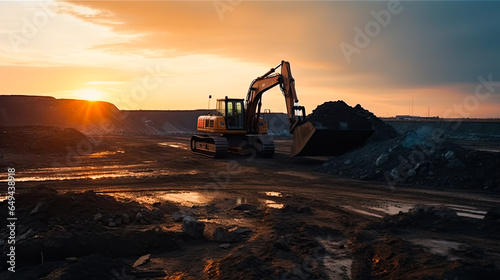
{"x": 335, "y": 113}
{"x": 423, "y": 157}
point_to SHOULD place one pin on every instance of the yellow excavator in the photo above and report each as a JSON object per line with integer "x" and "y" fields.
{"x": 238, "y": 127}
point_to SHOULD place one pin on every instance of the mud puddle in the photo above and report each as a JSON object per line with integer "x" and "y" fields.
{"x": 105, "y": 154}
{"x": 393, "y": 209}
{"x": 337, "y": 262}
{"x": 177, "y": 145}
{"x": 182, "y": 198}
{"x": 95, "y": 172}
{"x": 440, "y": 247}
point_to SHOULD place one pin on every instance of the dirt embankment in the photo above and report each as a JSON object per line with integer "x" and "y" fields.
{"x": 41, "y": 140}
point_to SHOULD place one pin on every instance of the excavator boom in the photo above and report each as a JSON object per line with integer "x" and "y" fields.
{"x": 309, "y": 139}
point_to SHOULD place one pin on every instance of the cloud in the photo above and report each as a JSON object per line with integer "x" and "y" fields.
{"x": 436, "y": 43}
{"x": 428, "y": 46}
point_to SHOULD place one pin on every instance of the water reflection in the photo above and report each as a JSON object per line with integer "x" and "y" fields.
{"x": 96, "y": 172}
{"x": 183, "y": 198}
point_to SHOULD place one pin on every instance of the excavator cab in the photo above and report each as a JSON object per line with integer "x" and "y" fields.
{"x": 233, "y": 111}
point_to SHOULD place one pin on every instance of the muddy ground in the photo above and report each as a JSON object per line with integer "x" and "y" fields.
{"x": 93, "y": 215}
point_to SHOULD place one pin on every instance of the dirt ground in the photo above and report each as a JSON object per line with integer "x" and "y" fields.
{"x": 93, "y": 215}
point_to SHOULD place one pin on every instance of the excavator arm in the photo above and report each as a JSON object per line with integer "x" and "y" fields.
{"x": 263, "y": 84}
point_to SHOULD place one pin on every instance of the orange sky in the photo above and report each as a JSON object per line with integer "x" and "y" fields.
{"x": 173, "y": 54}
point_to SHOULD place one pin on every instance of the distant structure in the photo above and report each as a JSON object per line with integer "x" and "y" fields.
{"x": 409, "y": 117}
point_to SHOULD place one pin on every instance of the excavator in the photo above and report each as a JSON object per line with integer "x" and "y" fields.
{"x": 238, "y": 127}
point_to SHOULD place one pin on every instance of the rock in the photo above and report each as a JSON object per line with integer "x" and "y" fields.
{"x": 222, "y": 235}
{"x": 250, "y": 213}
{"x": 157, "y": 214}
{"x": 383, "y": 158}
{"x": 157, "y": 204}
{"x": 142, "y": 260}
{"x": 449, "y": 155}
{"x": 112, "y": 224}
{"x": 304, "y": 210}
{"x": 179, "y": 216}
{"x": 493, "y": 214}
{"x": 455, "y": 163}
{"x": 125, "y": 218}
{"x": 395, "y": 173}
{"x": 118, "y": 221}
{"x": 225, "y": 246}
{"x": 138, "y": 217}
{"x": 367, "y": 235}
{"x": 297, "y": 209}
{"x": 37, "y": 208}
{"x": 192, "y": 227}
{"x": 71, "y": 260}
{"x": 57, "y": 238}
{"x": 347, "y": 162}
{"x": 30, "y": 232}
{"x": 242, "y": 230}
{"x": 246, "y": 206}
{"x": 282, "y": 244}
{"x": 445, "y": 213}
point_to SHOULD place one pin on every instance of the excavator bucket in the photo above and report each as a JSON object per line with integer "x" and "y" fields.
{"x": 316, "y": 140}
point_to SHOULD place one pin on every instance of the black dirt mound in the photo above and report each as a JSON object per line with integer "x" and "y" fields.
{"x": 44, "y": 207}
{"x": 403, "y": 246}
{"x": 336, "y": 114}
{"x": 80, "y": 224}
{"x": 423, "y": 157}
{"x": 42, "y": 139}
{"x": 383, "y": 131}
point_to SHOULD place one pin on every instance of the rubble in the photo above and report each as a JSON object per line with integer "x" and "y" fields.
{"x": 142, "y": 260}
{"x": 423, "y": 157}
{"x": 192, "y": 227}
{"x": 245, "y": 207}
{"x": 222, "y": 235}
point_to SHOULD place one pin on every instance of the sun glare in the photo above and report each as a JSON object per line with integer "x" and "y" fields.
{"x": 90, "y": 94}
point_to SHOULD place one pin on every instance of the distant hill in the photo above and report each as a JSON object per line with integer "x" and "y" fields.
{"x": 99, "y": 117}
{"x": 21, "y": 110}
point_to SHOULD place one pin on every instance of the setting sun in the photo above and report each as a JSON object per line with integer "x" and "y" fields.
{"x": 90, "y": 94}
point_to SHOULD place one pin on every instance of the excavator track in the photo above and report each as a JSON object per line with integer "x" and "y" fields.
{"x": 258, "y": 145}
{"x": 265, "y": 146}
{"x": 211, "y": 146}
